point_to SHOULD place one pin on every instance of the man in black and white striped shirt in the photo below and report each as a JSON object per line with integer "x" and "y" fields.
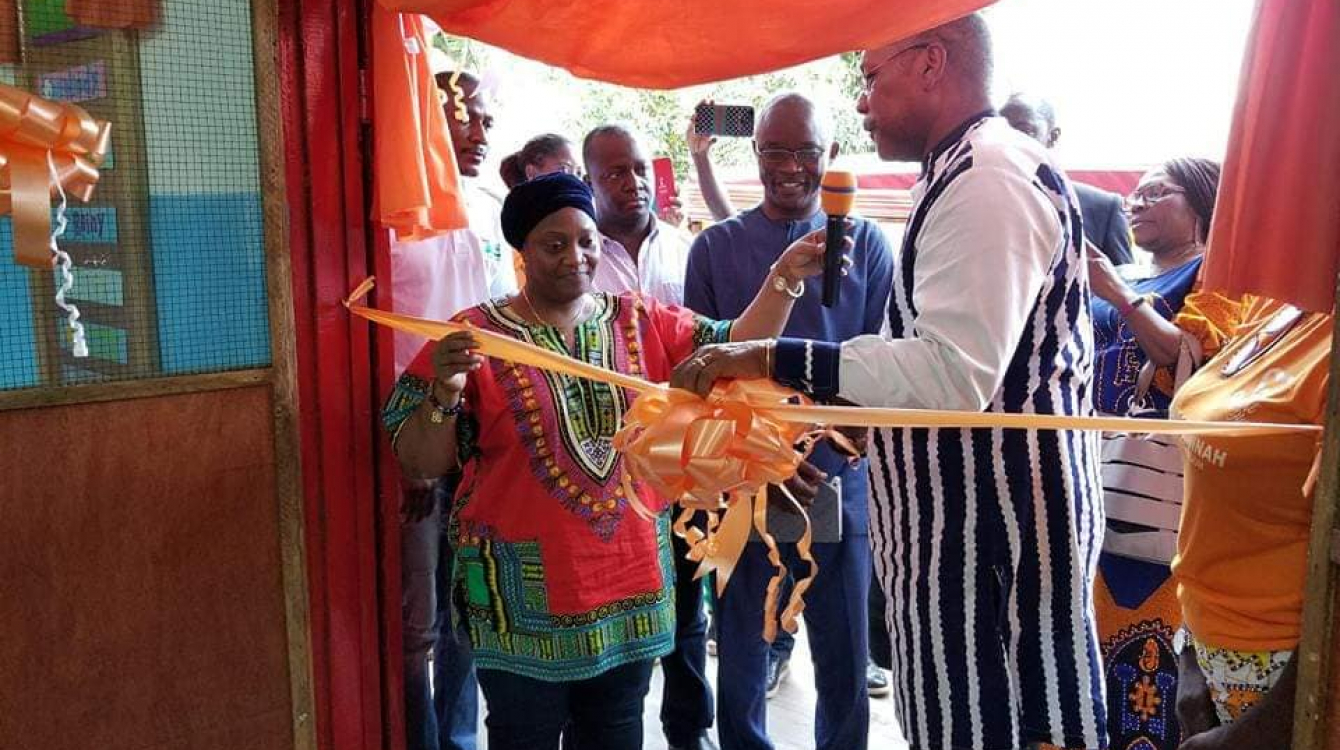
{"x": 985, "y": 541}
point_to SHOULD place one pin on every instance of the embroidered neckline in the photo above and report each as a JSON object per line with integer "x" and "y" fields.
{"x": 575, "y": 461}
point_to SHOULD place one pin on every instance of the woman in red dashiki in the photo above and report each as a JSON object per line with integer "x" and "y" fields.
{"x": 567, "y": 592}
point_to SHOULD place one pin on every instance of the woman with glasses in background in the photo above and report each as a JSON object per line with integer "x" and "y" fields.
{"x": 1154, "y": 318}
{"x": 1170, "y": 212}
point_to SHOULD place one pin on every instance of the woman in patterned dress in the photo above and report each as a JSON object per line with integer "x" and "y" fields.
{"x": 566, "y": 592}
{"x": 1136, "y": 321}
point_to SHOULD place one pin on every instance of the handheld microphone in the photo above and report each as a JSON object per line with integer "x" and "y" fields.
{"x": 837, "y": 194}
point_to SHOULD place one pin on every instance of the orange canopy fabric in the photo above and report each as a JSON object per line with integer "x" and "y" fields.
{"x": 674, "y": 43}
{"x": 1277, "y": 223}
{"x": 418, "y": 191}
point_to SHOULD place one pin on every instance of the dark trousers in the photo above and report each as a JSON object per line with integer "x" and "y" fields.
{"x": 836, "y": 621}
{"x": 686, "y": 703}
{"x": 455, "y": 689}
{"x": 443, "y": 716}
{"x": 601, "y": 713}
{"x": 881, "y": 647}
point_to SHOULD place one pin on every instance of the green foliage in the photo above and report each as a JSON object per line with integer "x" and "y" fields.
{"x": 463, "y": 50}
{"x": 575, "y": 106}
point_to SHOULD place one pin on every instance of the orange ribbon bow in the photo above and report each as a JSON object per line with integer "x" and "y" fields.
{"x": 722, "y": 448}
{"x": 32, "y": 131}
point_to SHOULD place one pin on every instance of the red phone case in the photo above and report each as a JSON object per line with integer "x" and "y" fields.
{"x": 664, "y": 173}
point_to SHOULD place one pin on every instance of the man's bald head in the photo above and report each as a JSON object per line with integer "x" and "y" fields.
{"x": 798, "y": 107}
{"x": 921, "y": 87}
{"x": 968, "y": 41}
{"x": 1033, "y": 116}
{"x": 793, "y": 142}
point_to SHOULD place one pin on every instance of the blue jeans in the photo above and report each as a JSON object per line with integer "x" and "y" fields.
{"x": 443, "y": 714}
{"x": 836, "y": 619}
{"x": 600, "y": 713}
{"x": 686, "y": 703}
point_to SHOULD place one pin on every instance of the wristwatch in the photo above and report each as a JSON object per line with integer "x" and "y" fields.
{"x": 1126, "y": 308}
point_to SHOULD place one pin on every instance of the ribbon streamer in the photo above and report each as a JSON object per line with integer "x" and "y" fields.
{"x": 78, "y": 343}
{"x": 697, "y": 451}
{"x": 45, "y": 146}
{"x": 458, "y": 94}
{"x": 502, "y": 347}
{"x": 742, "y": 438}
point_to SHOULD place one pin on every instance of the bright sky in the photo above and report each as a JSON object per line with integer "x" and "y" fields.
{"x": 1134, "y": 82}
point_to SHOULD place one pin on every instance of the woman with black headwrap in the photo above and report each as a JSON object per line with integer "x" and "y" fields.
{"x": 567, "y": 593}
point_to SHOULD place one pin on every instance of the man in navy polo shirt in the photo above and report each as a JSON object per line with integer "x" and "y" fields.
{"x": 728, "y": 263}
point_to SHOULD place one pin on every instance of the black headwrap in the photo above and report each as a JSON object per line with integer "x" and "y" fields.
{"x": 530, "y": 202}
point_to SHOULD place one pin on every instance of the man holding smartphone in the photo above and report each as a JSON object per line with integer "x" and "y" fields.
{"x": 640, "y": 253}
{"x": 728, "y": 263}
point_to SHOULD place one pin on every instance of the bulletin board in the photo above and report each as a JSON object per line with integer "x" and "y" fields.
{"x": 169, "y": 255}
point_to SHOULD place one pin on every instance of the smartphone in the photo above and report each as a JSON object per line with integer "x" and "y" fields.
{"x": 731, "y": 120}
{"x": 663, "y": 171}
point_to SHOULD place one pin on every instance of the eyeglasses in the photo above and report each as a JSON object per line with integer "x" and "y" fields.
{"x": 775, "y": 157}
{"x": 871, "y": 74}
{"x": 1149, "y": 196}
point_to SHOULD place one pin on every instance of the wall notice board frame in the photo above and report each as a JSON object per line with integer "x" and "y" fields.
{"x": 117, "y": 250}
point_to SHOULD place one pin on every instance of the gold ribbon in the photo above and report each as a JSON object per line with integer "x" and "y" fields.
{"x": 741, "y": 438}
{"x": 32, "y": 128}
{"x": 698, "y": 451}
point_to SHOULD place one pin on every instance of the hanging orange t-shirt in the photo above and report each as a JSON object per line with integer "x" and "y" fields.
{"x": 1246, "y": 519}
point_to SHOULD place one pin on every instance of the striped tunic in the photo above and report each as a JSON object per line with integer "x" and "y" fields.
{"x": 985, "y": 541}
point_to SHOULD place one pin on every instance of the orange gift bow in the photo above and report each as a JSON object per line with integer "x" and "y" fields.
{"x": 33, "y": 130}
{"x": 698, "y": 451}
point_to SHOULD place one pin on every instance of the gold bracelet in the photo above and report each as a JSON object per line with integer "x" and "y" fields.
{"x": 768, "y": 348}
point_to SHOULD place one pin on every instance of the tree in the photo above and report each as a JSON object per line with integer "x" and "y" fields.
{"x": 551, "y": 99}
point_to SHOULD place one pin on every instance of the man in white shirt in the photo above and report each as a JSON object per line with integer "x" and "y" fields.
{"x": 640, "y": 253}
{"x": 985, "y": 540}
{"x": 435, "y": 278}
{"x": 444, "y": 274}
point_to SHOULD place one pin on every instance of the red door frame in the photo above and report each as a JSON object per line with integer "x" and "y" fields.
{"x": 321, "y": 63}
